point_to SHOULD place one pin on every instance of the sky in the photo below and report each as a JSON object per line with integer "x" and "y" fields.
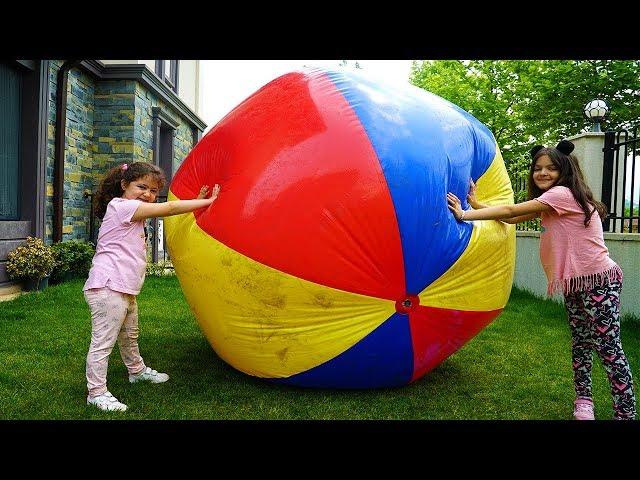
{"x": 226, "y": 83}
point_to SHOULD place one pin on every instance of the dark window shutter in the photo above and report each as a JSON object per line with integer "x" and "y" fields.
{"x": 10, "y": 93}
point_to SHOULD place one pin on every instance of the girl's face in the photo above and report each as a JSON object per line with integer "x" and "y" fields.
{"x": 144, "y": 189}
{"x": 545, "y": 173}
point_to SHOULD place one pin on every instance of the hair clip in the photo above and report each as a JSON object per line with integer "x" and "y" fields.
{"x": 124, "y": 166}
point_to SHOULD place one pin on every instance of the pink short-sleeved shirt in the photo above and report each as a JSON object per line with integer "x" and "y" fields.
{"x": 121, "y": 254}
{"x": 574, "y": 257}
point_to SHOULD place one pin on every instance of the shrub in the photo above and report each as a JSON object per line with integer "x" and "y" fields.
{"x": 73, "y": 260}
{"x": 33, "y": 261}
{"x": 160, "y": 269}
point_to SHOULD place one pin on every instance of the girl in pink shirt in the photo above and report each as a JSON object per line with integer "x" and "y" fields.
{"x": 577, "y": 263}
{"x": 124, "y": 200}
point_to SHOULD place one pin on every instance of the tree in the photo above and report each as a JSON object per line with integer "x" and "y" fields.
{"x": 528, "y": 102}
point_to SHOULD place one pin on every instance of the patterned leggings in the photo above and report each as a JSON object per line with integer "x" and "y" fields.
{"x": 594, "y": 317}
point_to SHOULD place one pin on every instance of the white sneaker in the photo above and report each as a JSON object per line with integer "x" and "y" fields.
{"x": 107, "y": 403}
{"x": 149, "y": 375}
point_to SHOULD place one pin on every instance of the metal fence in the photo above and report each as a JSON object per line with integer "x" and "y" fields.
{"x": 155, "y": 237}
{"x": 621, "y": 181}
{"x": 519, "y": 185}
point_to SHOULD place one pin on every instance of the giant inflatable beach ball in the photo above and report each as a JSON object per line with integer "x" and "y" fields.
{"x": 330, "y": 258}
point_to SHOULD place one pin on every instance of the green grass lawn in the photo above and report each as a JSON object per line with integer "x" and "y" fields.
{"x": 516, "y": 368}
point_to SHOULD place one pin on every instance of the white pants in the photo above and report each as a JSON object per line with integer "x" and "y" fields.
{"x": 114, "y": 316}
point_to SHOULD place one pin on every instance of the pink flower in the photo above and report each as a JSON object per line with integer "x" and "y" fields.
{"x": 124, "y": 166}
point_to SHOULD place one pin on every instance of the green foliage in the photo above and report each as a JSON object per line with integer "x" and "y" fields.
{"x": 73, "y": 259}
{"x": 34, "y": 260}
{"x": 529, "y": 102}
{"x": 160, "y": 269}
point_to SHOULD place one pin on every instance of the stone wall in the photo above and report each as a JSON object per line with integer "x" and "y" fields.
{"x": 108, "y": 123}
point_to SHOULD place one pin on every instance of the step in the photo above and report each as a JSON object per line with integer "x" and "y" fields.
{"x": 10, "y": 292}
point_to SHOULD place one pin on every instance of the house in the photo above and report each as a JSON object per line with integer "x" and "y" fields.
{"x": 63, "y": 123}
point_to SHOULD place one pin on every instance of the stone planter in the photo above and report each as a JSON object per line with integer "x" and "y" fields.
{"x": 32, "y": 285}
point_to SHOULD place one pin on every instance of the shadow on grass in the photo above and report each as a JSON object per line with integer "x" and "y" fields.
{"x": 198, "y": 359}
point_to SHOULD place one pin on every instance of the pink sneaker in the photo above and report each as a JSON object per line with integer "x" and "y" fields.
{"x": 583, "y": 409}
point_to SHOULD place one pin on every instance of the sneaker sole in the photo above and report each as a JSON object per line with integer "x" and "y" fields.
{"x": 135, "y": 380}
{"x": 107, "y": 410}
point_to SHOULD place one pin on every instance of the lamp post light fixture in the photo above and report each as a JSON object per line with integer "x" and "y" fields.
{"x": 595, "y": 111}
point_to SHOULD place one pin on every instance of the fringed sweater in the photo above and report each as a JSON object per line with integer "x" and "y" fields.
{"x": 574, "y": 257}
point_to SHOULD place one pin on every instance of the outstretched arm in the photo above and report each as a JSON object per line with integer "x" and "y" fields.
{"x": 175, "y": 207}
{"x": 518, "y": 219}
{"x": 529, "y": 209}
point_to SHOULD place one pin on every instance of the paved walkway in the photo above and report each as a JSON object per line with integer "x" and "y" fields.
{"x": 10, "y": 292}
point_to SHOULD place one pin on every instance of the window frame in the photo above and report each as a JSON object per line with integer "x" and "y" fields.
{"x": 170, "y": 77}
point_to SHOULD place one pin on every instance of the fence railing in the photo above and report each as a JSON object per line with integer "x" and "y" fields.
{"x": 621, "y": 181}
{"x": 519, "y": 185}
{"x": 155, "y": 232}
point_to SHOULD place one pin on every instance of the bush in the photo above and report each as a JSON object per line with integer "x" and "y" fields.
{"x": 160, "y": 269}
{"x": 33, "y": 261}
{"x": 73, "y": 260}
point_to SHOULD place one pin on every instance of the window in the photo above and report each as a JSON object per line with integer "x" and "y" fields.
{"x": 167, "y": 70}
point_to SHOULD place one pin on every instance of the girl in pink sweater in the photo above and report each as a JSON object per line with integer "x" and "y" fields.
{"x": 124, "y": 200}
{"x": 577, "y": 264}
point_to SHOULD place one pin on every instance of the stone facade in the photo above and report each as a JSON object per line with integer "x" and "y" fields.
{"x": 109, "y": 122}
{"x": 143, "y": 129}
{"x": 78, "y": 166}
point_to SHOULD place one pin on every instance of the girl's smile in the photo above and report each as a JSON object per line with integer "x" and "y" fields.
{"x": 545, "y": 173}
